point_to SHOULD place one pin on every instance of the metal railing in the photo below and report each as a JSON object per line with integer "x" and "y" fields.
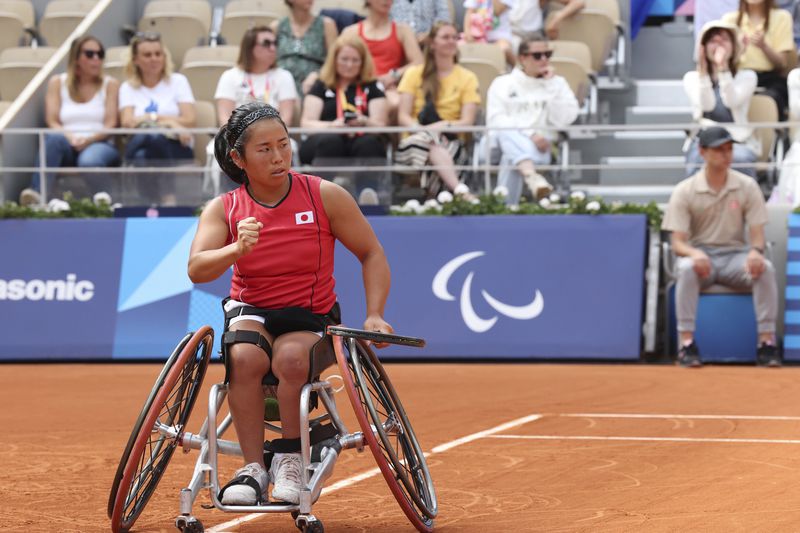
{"x": 481, "y": 165}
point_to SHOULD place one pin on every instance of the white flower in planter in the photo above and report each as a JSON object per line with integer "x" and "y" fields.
{"x": 460, "y": 189}
{"x": 411, "y": 205}
{"x": 101, "y": 197}
{"x": 475, "y": 201}
{"x": 57, "y": 206}
{"x": 513, "y": 208}
{"x": 445, "y": 197}
{"x": 544, "y": 202}
{"x": 578, "y": 195}
{"x": 432, "y": 204}
{"x": 555, "y": 198}
{"x": 593, "y": 206}
{"x": 501, "y": 191}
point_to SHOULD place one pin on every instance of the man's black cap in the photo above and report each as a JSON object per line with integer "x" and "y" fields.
{"x": 713, "y": 137}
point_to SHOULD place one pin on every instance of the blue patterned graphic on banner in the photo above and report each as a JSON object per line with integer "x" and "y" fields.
{"x": 157, "y": 301}
{"x": 791, "y": 328}
{"x": 509, "y": 286}
{"x": 59, "y": 282}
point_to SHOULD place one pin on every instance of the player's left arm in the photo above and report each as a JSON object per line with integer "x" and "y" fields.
{"x": 350, "y": 227}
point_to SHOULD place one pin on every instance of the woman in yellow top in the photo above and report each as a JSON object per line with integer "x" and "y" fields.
{"x": 768, "y": 45}
{"x": 438, "y": 94}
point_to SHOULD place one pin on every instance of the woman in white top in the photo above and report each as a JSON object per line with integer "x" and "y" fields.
{"x": 787, "y": 191}
{"x": 256, "y": 77}
{"x": 720, "y": 93}
{"x": 80, "y": 103}
{"x": 155, "y": 97}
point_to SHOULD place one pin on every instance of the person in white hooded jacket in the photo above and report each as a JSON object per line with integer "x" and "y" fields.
{"x": 535, "y": 101}
{"x": 720, "y": 93}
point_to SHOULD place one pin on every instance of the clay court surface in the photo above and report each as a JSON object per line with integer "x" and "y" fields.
{"x": 715, "y": 449}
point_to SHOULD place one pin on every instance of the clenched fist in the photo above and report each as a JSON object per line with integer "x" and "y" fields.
{"x": 248, "y": 231}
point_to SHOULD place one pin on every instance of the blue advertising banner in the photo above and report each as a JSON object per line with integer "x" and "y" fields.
{"x": 59, "y": 282}
{"x": 509, "y": 286}
{"x": 475, "y": 287}
{"x": 791, "y": 328}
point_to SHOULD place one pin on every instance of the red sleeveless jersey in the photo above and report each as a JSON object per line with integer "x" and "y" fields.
{"x": 292, "y": 263}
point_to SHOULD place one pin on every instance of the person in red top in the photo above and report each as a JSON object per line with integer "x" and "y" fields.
{"x": 393, "y": 47}
{"x": 277, "y": 231}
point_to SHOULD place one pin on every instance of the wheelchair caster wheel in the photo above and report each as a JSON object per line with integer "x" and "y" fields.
{"x": 189, "y": 524}
{"x": 308, "y": 524}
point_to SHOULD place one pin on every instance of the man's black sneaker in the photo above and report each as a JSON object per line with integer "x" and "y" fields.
{"x": 767, "y": 355}
{"x": 689, "y": 356}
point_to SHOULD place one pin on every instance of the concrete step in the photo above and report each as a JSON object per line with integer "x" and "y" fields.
{"x": 631, "y": 143}
{"x": 661, "y": 93}
{"x": 639, "y": 194}
{"x": 642, "y": 170}
{"x": 641, "y": 114}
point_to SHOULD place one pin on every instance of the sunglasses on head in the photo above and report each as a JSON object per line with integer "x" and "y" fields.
{"x": 147, "y": 36}
{"x": 538, "y": 55}
{"x": 268, "y": 43}
{"x": 91, "y": 54}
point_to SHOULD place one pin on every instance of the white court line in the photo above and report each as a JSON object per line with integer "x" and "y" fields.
{"x": 352, "y": 480}
{"x": 698, "y": 417}
{"x": 646, "y": 439}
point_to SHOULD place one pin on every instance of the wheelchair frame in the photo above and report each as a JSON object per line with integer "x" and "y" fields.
{"x": 160, "y": 429}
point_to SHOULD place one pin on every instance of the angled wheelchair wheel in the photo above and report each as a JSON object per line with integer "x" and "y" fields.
{"x": 387, "y": 431}
{"x": 159, "y": 428}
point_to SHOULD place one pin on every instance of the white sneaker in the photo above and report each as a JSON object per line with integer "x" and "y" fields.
{"x": 239, "y": 491}
{"x": 29, "y": 197}
{"x": 286, "y": 478}
{"x": 538, "y": 185}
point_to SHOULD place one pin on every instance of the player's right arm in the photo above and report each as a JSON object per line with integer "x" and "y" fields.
{"x": 209, "y": 256}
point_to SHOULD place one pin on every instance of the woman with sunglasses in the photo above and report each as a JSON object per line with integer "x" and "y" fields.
{"x": 256, "y": 77}
{"x": 303, "y": 41}
{"x": 438, "y": 94}
{"x": 156, "y": 97}
{"x": 536, "y": 102}
{"x": 78, "y": 104}
{"x": 346, "y": 94}
{"x": 277, "y": 233}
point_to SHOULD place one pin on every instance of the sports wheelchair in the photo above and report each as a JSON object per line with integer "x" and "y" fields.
{"x": 385, "y": 429}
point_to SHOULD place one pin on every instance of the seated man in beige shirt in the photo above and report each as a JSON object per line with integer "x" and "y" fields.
{"x": 708, "y": 214}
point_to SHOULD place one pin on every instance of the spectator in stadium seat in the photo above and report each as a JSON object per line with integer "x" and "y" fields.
{"x": 153, "y": 96}
{"x": 303, "y": 42}
{"x": 256, "y": 77}
{"x": 769, "y": 50}
{"x": 393, "y": 47}
{"x": 707, "y": 215}
{"x": 438, "y": 94}
{"x": 420, "y": 15}
{"x": 535, "y": 100}
{"x": 488, "y": 21}
{"x": 720, "y": 92}
{"x": 79, "y": 103}
{"x": 346, "y": 94}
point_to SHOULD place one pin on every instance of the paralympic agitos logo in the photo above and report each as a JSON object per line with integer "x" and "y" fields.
{"x": 468, "y": 313}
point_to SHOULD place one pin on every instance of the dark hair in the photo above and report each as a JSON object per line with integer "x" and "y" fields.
{"x": 732, "y": 60}
{"x": 526, "y": 42}
{"x": 233, "y": 135}
{"x": 245, "y": 60}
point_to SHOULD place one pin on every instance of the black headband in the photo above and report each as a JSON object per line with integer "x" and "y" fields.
{"x": 253, "y": 116}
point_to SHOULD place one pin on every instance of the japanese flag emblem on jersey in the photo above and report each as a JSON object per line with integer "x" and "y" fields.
{"x": 306, "y": 217}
